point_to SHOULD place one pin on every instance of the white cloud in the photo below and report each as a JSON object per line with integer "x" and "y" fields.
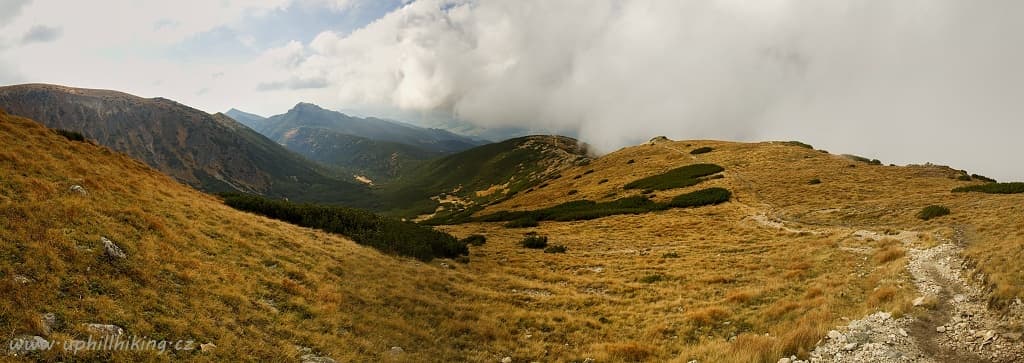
{"x": 895, "y": 80}
{"x": 10, "y": 9}
{"x": 903, "y": 81}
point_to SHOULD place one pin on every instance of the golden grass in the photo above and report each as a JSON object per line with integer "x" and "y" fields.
{"x": 200, "y": 270}
{"x": 732, "y": 289}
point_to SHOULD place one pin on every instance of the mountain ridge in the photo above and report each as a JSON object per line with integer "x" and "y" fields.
{"x": 310, "y": 115}
{"x": 211, "y": 152}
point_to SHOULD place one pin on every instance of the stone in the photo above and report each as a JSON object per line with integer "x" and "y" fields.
{"x": 312, "y": 358}
{"x": 835, "y": 335}
{"x": 103, "y": 329}
{"x": 589, "y": 360}
{"x": 396, "y": 350}
{"x": 850, "y": 346}
{"x": 27, "y": 343}
{"x": 112, "y": 250}
{"x": 918, "y": 301}
{"x": 207, "y": 347}
{"x": 894, "y": 354}
{"x": 903, "y": 333}
{"x": 78, "y": 189}
{"x": 506, "y": 360}
{"x": 658, "y": 139}
{"x": 784, "y": 360}
{"x": 1012, "y": 336}
{"x": 48, "y": 320}
{"x": 940, "y": 329}
{"x": 22, "y": 279}
{"x": 987, "y": 335}
{"x": 445, "y": 265}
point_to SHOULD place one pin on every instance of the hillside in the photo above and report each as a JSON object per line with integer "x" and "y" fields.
{"x": 379, "y": 161}
{"x": 809, "y": 243}
{"x": 769, "y": 273}
{"x": 210, "y": 152}
{"x": 250, "y": 120}
{"x": 195, "y": 269}
{"x": 312, "y": 116}
{"x": 470, "y": 179}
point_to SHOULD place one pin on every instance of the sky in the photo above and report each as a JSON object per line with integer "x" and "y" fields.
{"x": 909, "y": 81}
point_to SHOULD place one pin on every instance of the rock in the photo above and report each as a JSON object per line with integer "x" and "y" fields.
{"x": 919, "y": 301}
{"x": 894, "y": 354}
{"x": 506, "y": 360}
{"x": 445, "y": 265}
{"x": 835, "y": 335}
{"x": 940, "y": 329}
{"x": 311, "y": 358}
{"x": 48, "y": 320}
{"x": 987, "y": 335}
{"x": 103, "y": 329}
{"x": 589, "y": 360}
{"x": 850, "y": 346}
{"x": 784, "y": 360}
{"x": 27, "y": 343}
{"x": 903, "y": 333}
{"x": 658, "y": 139}
{"x": 22, "y": 279}
{"x": 396, "y": 350}
{"x": 207, "y": 347}
{"x": 1012, "y": 336}
{"x": 112, "y": 250}
{"x": 78, "y": 189}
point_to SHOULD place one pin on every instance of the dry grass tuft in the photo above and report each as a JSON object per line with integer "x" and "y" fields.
{"x": 889, "y": 254}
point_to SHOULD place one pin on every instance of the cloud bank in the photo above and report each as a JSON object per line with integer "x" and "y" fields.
{"x": 906, "y": 81}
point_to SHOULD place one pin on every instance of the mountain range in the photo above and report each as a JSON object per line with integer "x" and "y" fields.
{"x": 306, "y": 154}
{"x": 373, "y": 149}
{"x": 211, "y": 152}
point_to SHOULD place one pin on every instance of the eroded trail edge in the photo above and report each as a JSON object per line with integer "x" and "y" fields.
{"x": 951, "y": 321}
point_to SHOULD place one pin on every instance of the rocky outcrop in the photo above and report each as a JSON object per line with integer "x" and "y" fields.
{"x": 112, "y": 250}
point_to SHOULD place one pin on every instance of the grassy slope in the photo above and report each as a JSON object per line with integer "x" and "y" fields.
{"x": 197, "y": 269}
{"x": 794, "y": 286}
{"x": 504, "y": 168}
{"x": 853, "y": 194}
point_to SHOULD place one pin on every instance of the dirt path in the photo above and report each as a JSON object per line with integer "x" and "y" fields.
{"x": 951, "y": 321}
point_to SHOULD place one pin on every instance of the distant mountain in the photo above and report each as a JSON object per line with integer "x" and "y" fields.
{"x": 378, "y": 161}
{"x": 210, "y": 152}
{"x": 248, "y": 119}
{"x": 312, "y": 116}
{"x": 470, "y": 179}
